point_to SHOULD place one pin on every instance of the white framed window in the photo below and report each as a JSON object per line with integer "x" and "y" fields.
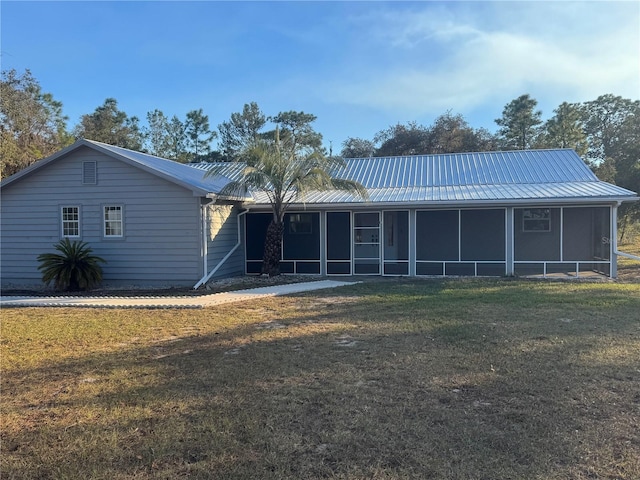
{"x": 536, "y": 220}
{"x": 113, "y": 221}
{"x": 70, "y": 221}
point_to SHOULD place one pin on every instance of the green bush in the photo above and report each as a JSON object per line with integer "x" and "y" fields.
{"x": 74, "y": 269}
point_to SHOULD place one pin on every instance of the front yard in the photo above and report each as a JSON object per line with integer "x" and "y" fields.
{"x": 389, "y": 379}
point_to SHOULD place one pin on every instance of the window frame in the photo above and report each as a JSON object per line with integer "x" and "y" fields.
{"x": 105, "y": 220}
{"x": 528, "y": 220}
{"x": 64, "y": 221}
{"x": 295, "y": 219}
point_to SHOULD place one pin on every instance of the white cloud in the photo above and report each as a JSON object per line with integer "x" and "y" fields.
{"x": 463, "y": 57}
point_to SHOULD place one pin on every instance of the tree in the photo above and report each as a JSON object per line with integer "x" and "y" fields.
{"x": 286, "y": 167}
{"x": 177, "y": 140}
{"x": 242, "y": 129}
{"x": 296, "y": 126}
{"x": 166, "y": 137}
{"x": 612, "y": 126}
{"x": 409, "y": 139}
{"x": 32, "y": 125}
{"x": 109, "y": 125}
{"x": 565, "y": 130}
{"x": 452, "y": 134}
{"x": 519, "y": 123}
{"x": 449, "y": 133}
{"x": 357, "y": 148}
{"x": 199, "y": 135}
{"x": 606, "y": 123}
{"x": 156, "y": 134}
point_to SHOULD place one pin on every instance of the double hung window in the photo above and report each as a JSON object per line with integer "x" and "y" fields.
{"x": 70, "y": 221}
{"x": 113, "y": 221}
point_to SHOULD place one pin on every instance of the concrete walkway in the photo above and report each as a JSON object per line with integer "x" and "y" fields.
{"x": 167, "y": 302}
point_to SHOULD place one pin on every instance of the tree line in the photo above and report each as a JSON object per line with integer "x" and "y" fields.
{"x": 605, "y": 132}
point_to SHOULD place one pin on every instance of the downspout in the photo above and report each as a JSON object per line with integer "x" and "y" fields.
{"x": 614, "y": 241}
{"x": 206, "y": 278}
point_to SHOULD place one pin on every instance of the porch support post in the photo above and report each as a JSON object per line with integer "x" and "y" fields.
{"x": 412, "y": 243}
{"x": 613, "y": 255}
{"x": 323, "y": 242}
{"x": 509, "y": 235}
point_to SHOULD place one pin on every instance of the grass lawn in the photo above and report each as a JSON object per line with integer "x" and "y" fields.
{"x": 474, "y": 379}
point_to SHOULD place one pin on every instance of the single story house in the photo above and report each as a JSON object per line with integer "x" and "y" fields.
{"x": 162, "y": 223}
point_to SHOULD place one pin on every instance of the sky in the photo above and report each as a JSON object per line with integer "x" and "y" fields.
{"x": 360, "y": 67}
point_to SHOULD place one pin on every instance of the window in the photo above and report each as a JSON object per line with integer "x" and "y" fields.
{"x": 70, "y": 221}
{"x": 536, "y": 220}
{"x": 113, "y": 221}
{"x": 301, "y": 223}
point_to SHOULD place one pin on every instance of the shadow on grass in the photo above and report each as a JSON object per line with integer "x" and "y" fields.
{"x": 354, "y": 384}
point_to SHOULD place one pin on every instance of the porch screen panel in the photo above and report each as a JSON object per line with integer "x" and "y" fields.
{"x": 586, "y": 233}
{"x": 396, "y": 242}
{"x": 437, "y": 235}
{"x": 256, "y": 233}
{"x": 301, "y": 244}
{"x": 482, "y": 235}
{"x": 536, "y": 245}
{"x": 366, "y": 243}
{"x": 338, "y": 236}
{"x": 396, "y": 235}
{"x": 256, "y": 229}
{"x": 338, "y": 243}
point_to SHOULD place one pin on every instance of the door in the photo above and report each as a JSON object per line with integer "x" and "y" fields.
{"x": 366, "y": 243}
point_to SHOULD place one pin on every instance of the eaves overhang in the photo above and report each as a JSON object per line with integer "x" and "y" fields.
{"x": 449, "y": 204}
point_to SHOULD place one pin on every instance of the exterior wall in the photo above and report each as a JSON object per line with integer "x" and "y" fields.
{"x": 161, "y": 244}
{"x": 222, "y": 224}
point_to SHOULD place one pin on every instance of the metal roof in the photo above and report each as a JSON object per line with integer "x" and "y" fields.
{"x": 178, "y": 173}
{"x": 181, "y": 173}
{"x": 507, "y": 177}
{"x": 539, "y": 193}
{"x": 484, "y": 168}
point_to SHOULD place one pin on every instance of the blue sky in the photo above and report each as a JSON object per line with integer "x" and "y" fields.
{"x": 359, "y": 66}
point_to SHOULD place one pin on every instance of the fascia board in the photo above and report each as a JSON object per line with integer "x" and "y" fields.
{"x": 456, "y": 204}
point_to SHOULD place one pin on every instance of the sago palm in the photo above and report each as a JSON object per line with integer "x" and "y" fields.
{"x": 74, "y": 268}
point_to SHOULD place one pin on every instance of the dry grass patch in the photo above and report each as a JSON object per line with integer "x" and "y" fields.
{"x": 388, "y": 379}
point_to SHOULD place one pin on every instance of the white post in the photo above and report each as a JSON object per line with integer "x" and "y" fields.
{"x": 613, "y": 243}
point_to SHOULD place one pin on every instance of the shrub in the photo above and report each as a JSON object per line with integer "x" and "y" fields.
{"x": 75, "y": 268}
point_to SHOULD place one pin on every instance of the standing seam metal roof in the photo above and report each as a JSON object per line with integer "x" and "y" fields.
{"x": 485, "y": 176}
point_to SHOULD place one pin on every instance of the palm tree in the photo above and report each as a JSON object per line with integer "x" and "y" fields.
{"x": 75, "y": 268}
{"x": 285, "y": 171}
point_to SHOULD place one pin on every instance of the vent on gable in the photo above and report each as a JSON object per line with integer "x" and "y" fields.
{"x": 89, "y": 173}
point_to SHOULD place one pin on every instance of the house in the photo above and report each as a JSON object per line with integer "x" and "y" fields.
{"x": 158, "y": 222}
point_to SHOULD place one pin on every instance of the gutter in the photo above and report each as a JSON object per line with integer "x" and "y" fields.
{"x": 208, "y": 276}
{"x": 439, "y": 204}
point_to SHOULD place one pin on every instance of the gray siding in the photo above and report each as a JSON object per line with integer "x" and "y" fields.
{"x": 162, "y": 227}
{"x": 222, "y": 224}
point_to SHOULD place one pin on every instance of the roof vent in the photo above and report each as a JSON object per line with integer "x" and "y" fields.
{"x": 89, "y": 173}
